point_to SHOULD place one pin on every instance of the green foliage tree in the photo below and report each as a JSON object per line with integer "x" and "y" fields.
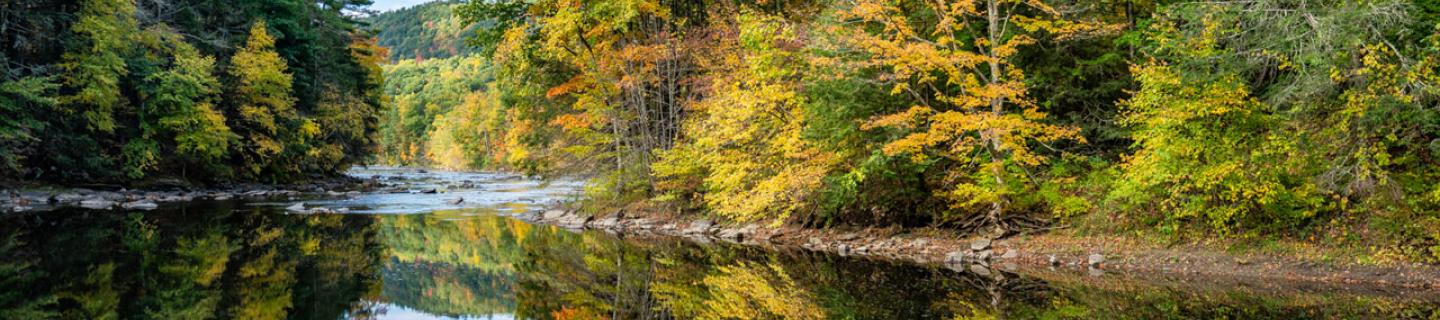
{"x": 177, "y": 109}
{"x": 95, "y": 65}
{"x": 20, "y": 99}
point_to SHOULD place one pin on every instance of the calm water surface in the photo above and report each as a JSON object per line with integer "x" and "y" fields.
{"x": 418, "y": 256}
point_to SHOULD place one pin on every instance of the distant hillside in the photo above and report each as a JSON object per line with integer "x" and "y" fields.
{"x": 425, "y": 31}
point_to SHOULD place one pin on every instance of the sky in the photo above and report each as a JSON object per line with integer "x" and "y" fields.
{"x": 387, "y": 5}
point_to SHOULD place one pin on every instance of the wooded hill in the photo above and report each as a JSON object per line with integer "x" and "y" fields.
{"x": 426, "y": 31}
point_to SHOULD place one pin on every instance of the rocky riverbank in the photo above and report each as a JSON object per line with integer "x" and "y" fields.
{"x": 993, "y": 257}
{"x": 44, "y": 198}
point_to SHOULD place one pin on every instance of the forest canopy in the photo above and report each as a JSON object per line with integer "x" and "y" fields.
{"x": 206, "y": 91}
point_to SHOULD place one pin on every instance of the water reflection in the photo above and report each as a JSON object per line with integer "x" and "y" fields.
{"x": 230, "y": 261}
{"x": 210, "y": 261}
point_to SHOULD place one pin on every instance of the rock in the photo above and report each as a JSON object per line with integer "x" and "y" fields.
{"x": 68, "y": 197}
{"x": 920, "y": 243}
{"x": 847, "y": 237}
{"x": 729, "y": 234}
{"x": 334, "y": 194}
{"x": 749, "y": 230}
{"x": 1010, "y": 254}
{"x": 140, "y": 205}
{"x": 551, "y": 215}
{"x": 342, "y": 210}
{"x": 455, "y": 201}
{"x": 843, "y": 249}
{"x": 352, "y": 193}
{"x": 572, "y": 221}
{"x": 606, "y": 223}
{"x": 111, "y": 196}
{"x": 983, "y": 255}
{"x": 1054, "y": 261}
{"x": 955, "y": 257}
{"x": 35, "y": 196}
{"x": 20, "y": 209}
{"x": 298, "y": 207}
{"x": 980, "y": 270}
{"x": 1096, "y": 259}
{"x": 97, "y": 204}
{"x": 981, "y": 244}
{"x": 814, "y": 241}
{"x": 699, "y": 227}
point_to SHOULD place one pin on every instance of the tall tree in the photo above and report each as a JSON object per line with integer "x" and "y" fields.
{"x": 178, "y": 111}
{"x": 264, "y": 110}
{"x": 956, "y": 59}
{"x": 95, "y": 65}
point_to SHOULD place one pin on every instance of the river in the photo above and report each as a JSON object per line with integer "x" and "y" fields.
{"x": 428, "y": 256}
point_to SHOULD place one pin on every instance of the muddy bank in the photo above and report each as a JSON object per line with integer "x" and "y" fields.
{"x": 1096, "y": 256}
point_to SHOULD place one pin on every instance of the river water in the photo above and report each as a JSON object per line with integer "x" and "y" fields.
{"x": 424, "y": 256}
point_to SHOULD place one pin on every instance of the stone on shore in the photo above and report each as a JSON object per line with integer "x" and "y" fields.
{"x": 701, "y": 226}
{"x": 97, "y": 204}
{"x": 1010, "y": 254}
{"x": 1096, "y": 259}
{"x": 298, "y": 207}
{"x": 955, "y": 257}
{"x": 140, "y": 205}
{"x": 981, "y": 244}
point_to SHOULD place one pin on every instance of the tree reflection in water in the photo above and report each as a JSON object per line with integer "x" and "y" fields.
{"x": 224, "y": 261}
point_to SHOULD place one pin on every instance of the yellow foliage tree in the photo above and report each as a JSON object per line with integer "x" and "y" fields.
{"x": 973, "y": 107}
{"x": 745, "y": 140}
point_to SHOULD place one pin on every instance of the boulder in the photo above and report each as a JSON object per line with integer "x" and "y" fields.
{"x": 606, "y": 223}
{"x": 455, "y": 201}
{"x": 729, "y": 234}
{"x": 701, "y": 226}
{"x": 1010, "y": 254}
{"x": 955, "y": 257}
{"x": 97, "y": 204}
{"x": 983, "y": 255}
{"x": 981, "y": 244}
{"x": 1096, "y": 259}
{"x": 553, "y": 214}
{"x": 981, "y": 270}
{"x": 68, "y": 197}
{"x": 140, "y": 205}
{"x": 298, "y": 207}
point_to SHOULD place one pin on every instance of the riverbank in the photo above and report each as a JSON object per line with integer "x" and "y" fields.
{"x": 107, "y": 197}
{"x": 1095, "y": 255}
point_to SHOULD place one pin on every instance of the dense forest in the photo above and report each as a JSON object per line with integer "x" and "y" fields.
{"x": 1313, "y": 119}
{"x": 99, "y": 91}
{"x": 426, "y": 31}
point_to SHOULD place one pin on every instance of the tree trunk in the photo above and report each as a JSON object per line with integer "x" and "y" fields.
{"x": 996, "y": 109}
